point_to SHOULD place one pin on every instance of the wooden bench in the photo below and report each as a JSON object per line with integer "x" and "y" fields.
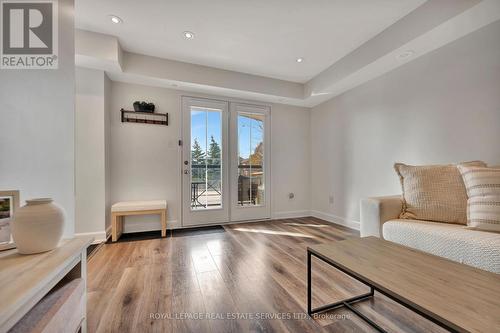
{"x": 131, "y": 208}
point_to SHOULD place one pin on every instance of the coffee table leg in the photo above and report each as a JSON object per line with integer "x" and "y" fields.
{"x": 344, "y": 303}
{"x": 309, "y": 284}
{"x": 348, "y": 302}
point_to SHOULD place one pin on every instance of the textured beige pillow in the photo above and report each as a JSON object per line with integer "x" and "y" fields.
{"x": 434, "y": 192}
{"x": 483, "y": 192}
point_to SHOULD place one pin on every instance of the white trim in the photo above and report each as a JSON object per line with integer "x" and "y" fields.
{"x": 175, "y": 224}
{"x": 291, "y": 214}
{"x": 336, "y": 219}
{"x": 99, "y": 237}
{"x": 108, "y": 232}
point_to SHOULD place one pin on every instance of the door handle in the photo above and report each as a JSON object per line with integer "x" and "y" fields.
{"x": 186, "y": 172}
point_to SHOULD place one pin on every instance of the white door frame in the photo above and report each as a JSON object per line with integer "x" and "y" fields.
{"x": 213, "y": 215}
{"x": 234, "y": 213}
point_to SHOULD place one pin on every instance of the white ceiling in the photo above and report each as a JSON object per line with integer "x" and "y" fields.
{"x": 257, "y": 37}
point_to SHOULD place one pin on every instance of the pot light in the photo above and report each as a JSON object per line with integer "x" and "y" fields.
{"x": 188, "y": 34}
{"x": 406, "y": 54}
{"x": 299, "y": 60}
{"x": 115, "y": 19}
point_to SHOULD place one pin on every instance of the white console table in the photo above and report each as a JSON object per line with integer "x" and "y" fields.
{"x": 45, "y": 292}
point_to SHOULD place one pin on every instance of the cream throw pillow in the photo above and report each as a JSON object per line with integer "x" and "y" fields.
{"x": 483, "y": 191}
{"x": 434, "y": 192}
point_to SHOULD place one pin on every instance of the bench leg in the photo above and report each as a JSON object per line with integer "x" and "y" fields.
{"x": 121, "y": 218}
{"x": 114, "y": 228}
{"x": 163, "y": 216}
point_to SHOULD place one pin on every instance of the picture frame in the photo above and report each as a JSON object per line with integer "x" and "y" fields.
{"x": 9, "y": 202}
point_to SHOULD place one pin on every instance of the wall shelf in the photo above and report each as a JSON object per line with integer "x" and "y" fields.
{"x": 144, "y": 117}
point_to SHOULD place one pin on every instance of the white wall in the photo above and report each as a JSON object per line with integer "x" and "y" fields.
{"x": 145, "y": 159}
{"x": 290, "y": 161}
{"x": 92, "y": 130}
{"x": 441, "y": 108}
{"x": 37, "y": 126}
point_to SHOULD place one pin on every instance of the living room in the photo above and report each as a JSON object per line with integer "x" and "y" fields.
{"x": 278, "y": 166}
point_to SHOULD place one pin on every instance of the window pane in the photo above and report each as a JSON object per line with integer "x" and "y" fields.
{"x": 250, "y": 159}
{"x": 206, "y": 158}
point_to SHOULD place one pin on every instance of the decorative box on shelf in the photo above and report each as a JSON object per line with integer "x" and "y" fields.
{"x": 144, "y": 117}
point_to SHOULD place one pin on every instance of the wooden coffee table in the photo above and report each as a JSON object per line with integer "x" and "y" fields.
{"x": 457, "y": 297}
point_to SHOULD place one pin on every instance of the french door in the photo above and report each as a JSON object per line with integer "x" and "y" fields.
{"x": 205, "y": 190}
{"x": 250, "y": 164}
{"x": 225, "y": 162}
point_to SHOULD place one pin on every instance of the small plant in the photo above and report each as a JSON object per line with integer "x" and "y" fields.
{"x": 144, "y": 107}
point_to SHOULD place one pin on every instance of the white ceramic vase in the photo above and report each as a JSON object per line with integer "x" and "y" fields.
{"x": 38, "y": 226}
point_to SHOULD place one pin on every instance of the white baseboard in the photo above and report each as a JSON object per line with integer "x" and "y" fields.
{"x": 139, "y": 226}
{"x": 108, "y": 232}
{"x": 335, "y": 219}
{"x": 173, "y": 224}
{"x": 102, "y": 236}
{"x": 291, "y": 214}
{"x": 99, "y": 236}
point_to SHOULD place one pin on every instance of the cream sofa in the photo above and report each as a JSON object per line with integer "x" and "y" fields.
{"x": 379, "y": 217}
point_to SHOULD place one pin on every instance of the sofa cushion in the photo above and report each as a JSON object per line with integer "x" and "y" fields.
{"x": 483, "y": 192}
{"x": 452, "y": 241}
{"x": 434, "y": 192}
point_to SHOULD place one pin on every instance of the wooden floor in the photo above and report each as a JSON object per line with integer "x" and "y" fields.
{"x": 249, "y": 278}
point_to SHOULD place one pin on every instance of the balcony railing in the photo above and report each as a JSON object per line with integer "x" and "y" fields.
{"x": 208, "y": 192}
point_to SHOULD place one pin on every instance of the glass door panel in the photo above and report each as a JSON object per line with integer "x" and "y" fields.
{"x": 251, "y": 180}
{"x": 206, "y": 159}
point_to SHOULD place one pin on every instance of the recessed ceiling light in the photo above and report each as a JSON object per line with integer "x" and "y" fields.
{"x": 299, "y": 60}
{"x": 188, "y": 34}
{"x": 115, "y": 19}
{"x": 406, "y": 54}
